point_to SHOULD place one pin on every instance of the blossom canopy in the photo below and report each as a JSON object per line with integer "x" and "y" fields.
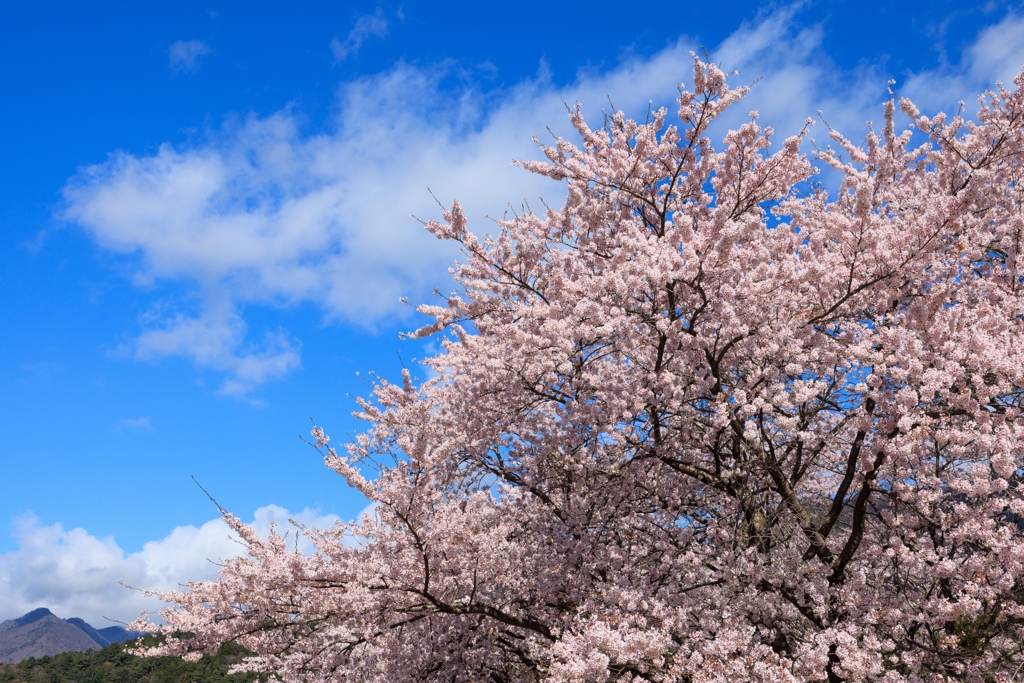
{"x": 701, "y": 423}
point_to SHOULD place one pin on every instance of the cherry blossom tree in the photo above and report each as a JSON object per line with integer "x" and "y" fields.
{"x": 702, "y": 423}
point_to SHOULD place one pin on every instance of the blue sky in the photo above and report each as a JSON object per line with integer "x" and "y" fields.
{"x": 206, "y": 224}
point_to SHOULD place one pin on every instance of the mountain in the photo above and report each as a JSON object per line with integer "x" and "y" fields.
{"x": 89, "y": 631}
{"x": 34, "y": 615}
{"x": 40, "y": 633}
{"x": 118, "y": 634}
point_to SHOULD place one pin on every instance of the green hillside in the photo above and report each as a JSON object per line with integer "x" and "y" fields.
{"x": 113, "y": 665}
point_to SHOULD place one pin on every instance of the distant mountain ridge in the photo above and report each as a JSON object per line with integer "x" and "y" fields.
{"x": 41, "y": 633}
{"x": 25, "y": 619}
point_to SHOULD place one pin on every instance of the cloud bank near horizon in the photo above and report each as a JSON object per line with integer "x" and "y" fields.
{"x": 76, "y": 574}
{"x": 263, "y": 213}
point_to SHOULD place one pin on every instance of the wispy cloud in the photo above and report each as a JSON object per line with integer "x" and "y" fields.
{"x": 216, "y": 340}
{"x": 997, "y": 53}
{"x": 262, "y": 213}
{"x": 184, "y": 55}
{"x": 367, "y": 26}
{"x": 44, "y": 370}
{"x": 137, "y": 423}
{"x": 76, "y": 574}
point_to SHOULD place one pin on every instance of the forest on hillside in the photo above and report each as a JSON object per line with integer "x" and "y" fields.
{"x": 113, "y": 664}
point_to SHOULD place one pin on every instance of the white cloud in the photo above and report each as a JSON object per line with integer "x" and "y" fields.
{"x": 74, "y": 573}
{"x": 366, "y": 26}
{"x": 216, "y": 340}
{"x": 997, "y": 53}
{"x": 184, "y": 55}
{"x": 264, "y": 213}
{"x": 795, "y": 77}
